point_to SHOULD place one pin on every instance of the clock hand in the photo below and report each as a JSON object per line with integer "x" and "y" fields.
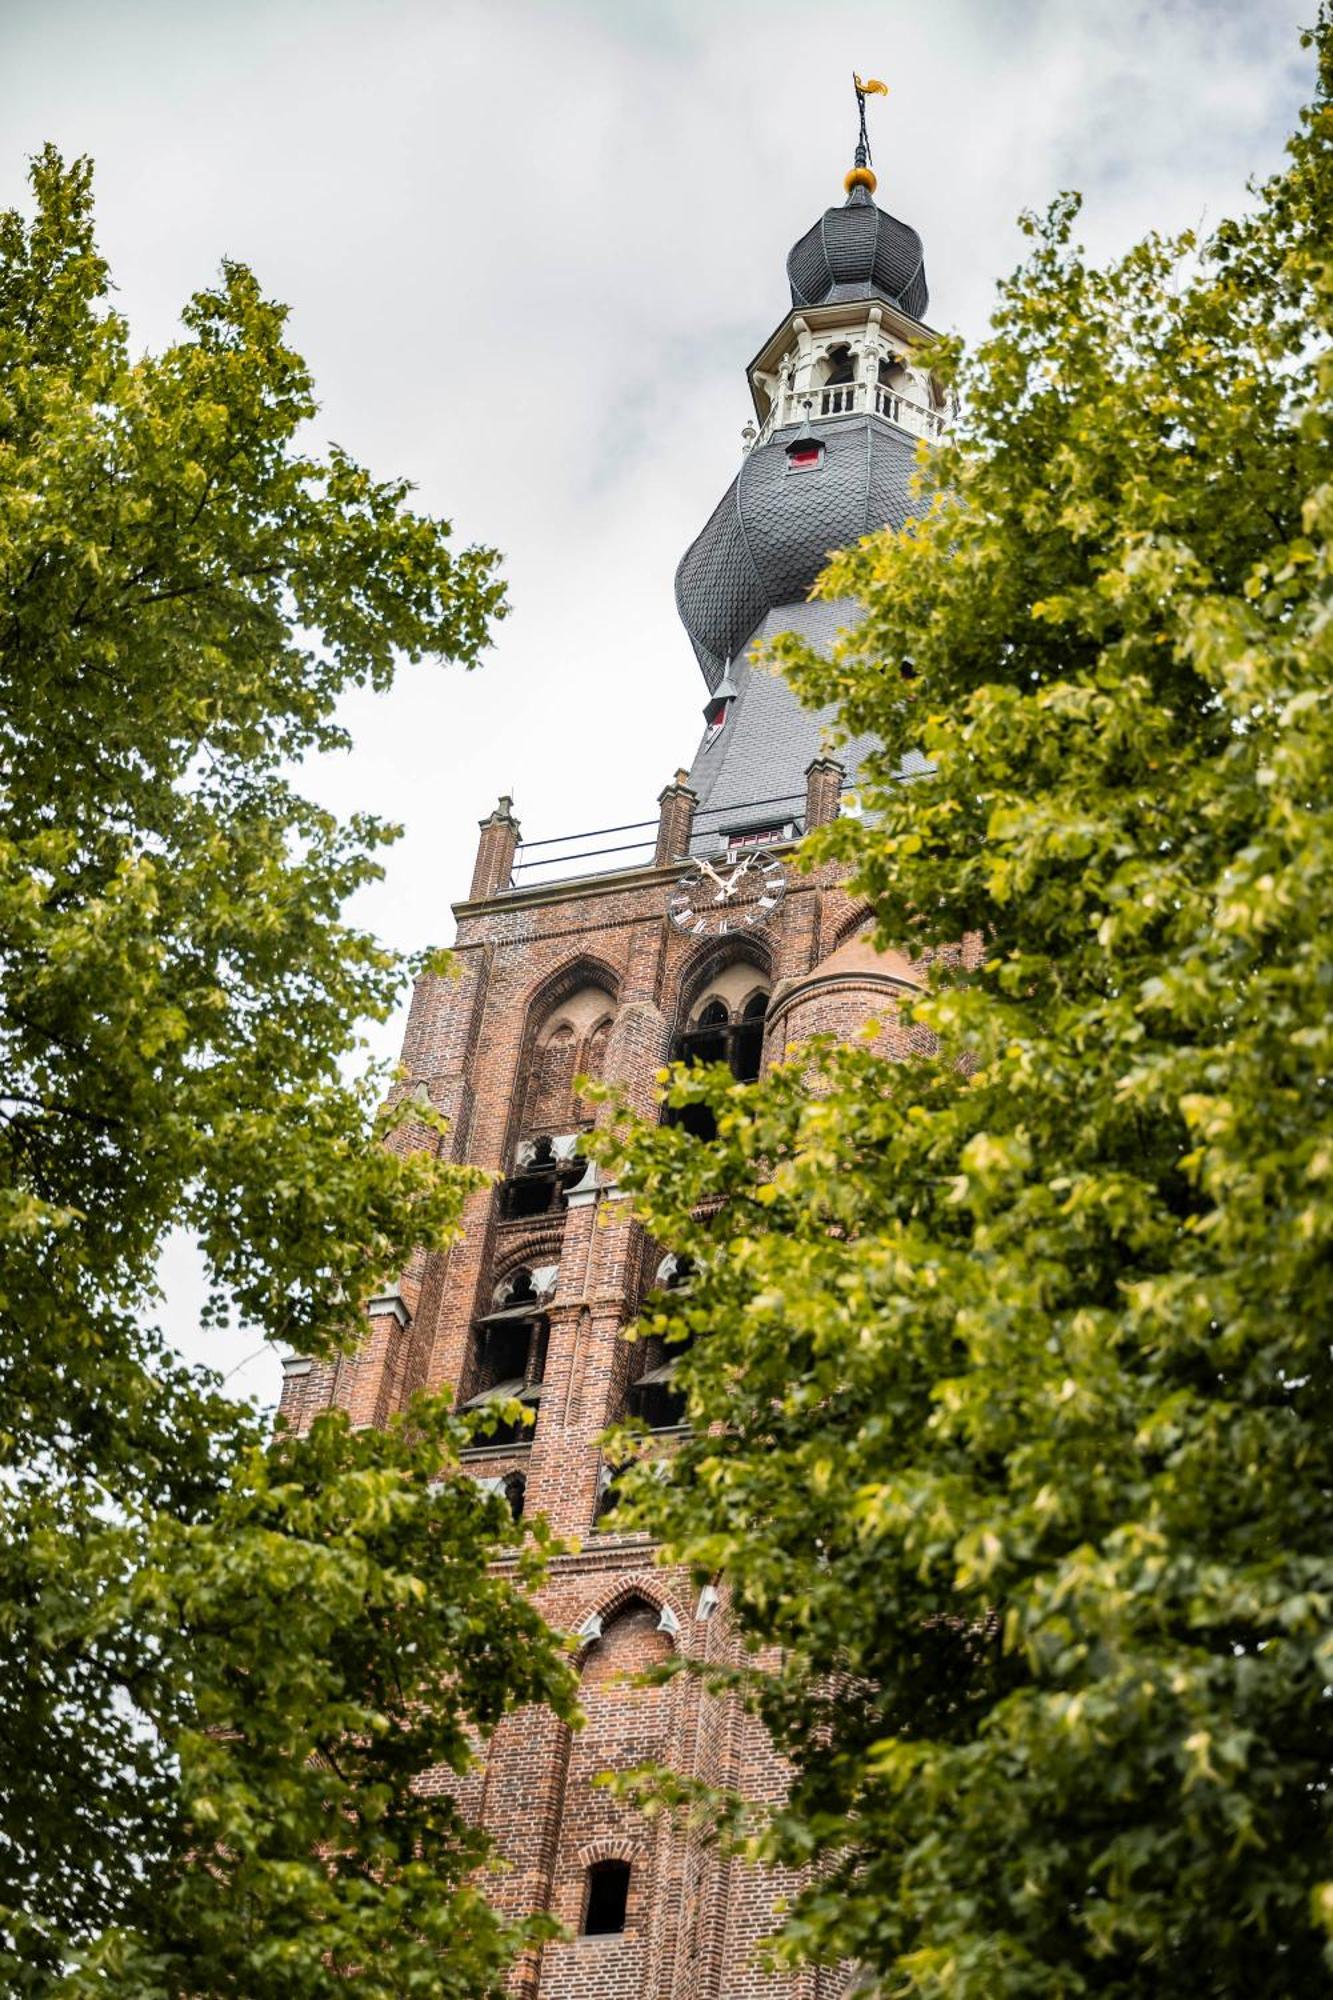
{"x": 729, "y": 887}
{"x": 705, "y": 869}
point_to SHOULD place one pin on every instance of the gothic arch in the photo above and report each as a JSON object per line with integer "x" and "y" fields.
{"x": 584, "y": 969}
{"x": 625, "y": 1592}
{"x": 635, "y": 1638}
{"x": 541, "y": 1247}
{"x": 543, "y": 1093}
{"x": 532, "y": 1261}
{"x": 707, "y": 960}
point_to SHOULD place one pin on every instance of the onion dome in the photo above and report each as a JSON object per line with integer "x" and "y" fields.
{"x": 859, "y": 252}
{"x": 794, "y": 500}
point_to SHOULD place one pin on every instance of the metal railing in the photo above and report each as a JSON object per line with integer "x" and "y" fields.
{"x": 571, "y": 857}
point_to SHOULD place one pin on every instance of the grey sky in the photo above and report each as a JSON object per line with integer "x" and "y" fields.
{"x": 529, "y": 249}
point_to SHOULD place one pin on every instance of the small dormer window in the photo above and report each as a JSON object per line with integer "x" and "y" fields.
{"x": 715, "y": 716}
{"x": 805, "y": 455}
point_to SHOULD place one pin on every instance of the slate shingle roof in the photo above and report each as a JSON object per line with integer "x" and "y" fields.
{"x": 768, "y": 739}
{"x": 859, "y": 252}
{"x": 747, "y": 575}
{"x": 773, "y": 530}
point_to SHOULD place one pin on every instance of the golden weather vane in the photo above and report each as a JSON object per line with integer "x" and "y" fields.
{"x": 862, "y": 174}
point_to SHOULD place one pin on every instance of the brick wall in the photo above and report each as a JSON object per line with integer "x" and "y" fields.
{"x": 692, "y": 1922}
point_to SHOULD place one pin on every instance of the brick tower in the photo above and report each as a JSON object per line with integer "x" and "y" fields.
{"x": 603, "y": 956}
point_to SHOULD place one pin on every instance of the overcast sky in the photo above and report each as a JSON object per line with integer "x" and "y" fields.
{"x": 529, "y": 248}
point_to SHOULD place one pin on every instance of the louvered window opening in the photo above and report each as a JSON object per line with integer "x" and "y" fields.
{"x": 541, "y": 1187}
{"x": 720, "y": 1037}
{"x": 509, "y": 1360}
{"x": 653, "y": 1396}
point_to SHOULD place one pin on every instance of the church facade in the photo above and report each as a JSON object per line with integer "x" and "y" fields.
{"x": 688, "y": 935}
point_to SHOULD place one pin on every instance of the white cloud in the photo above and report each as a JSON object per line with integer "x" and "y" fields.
{"x": 529, "y": 249}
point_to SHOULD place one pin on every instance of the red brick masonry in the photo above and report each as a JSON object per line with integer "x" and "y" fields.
{"x": 493, "y": 1046}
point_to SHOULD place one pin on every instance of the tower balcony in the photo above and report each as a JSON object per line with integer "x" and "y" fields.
{"x": 850, "y": 399}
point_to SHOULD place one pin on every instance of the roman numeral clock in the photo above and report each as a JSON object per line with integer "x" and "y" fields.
{"x": 714, "y": 902}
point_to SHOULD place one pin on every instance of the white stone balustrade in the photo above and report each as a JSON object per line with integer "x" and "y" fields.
{"x": 846, "y": 399}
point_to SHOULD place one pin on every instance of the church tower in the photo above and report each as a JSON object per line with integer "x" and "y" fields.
{"x": 690, "y": 935}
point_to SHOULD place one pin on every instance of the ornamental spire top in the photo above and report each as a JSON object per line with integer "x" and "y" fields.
{"x": 862, "y": 174}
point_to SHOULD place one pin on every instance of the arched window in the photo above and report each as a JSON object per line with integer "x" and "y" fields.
{"x": 511, "y": 1487}
{"x": 608, "y": 1493}
{"x": 892, "y": 384}
{"x": 747, "y": 1041}
{"x": 509, "y": 1351}
{"x": 606, "y": 1899}
{"x": 841, "y": 366}
{"x": 719, "y": 1032}
{"x": 838, "y": 394}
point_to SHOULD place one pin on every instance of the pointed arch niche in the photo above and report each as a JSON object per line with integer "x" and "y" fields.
{"x": 568, "y": 1026}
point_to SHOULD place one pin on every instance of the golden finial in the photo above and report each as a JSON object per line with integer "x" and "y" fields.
{"x": 862, "y": 174}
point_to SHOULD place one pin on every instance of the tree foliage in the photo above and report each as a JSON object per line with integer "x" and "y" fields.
{"x": 187, "y": 1614}
{"x": 1011, "y": 1391}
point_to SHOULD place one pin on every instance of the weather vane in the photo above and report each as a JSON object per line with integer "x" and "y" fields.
{"x": 861, "y": 174}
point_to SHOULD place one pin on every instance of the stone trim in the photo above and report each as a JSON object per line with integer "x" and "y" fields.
{"x": 628, "y": 1589}
{"x": 389, "y": 1303}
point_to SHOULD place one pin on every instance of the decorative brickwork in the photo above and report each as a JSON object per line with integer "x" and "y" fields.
{"x": 675, "y": 822}
{"x": 823, "y": 787}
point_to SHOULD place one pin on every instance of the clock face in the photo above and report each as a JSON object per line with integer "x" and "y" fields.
{"x": 735, "y": 895}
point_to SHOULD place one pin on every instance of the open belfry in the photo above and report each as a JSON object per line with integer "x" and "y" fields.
{"x": 606, "y": 955}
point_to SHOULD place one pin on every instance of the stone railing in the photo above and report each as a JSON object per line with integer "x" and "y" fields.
{"x": 848, "y": 399}
{"x": 908, "y": 414}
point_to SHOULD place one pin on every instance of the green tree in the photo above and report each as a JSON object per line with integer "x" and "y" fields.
{"x": 217, "y": 1655}
{"x": 1012, "y": 1393}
